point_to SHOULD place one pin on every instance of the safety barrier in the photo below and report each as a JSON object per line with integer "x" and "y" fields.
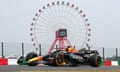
{"x": 110, "y": 63}
{"x": 107, "y": 63}
{"x": 12, "y": 61}
{"x": 119, "y": 62}
{"x": 5, "y": 61}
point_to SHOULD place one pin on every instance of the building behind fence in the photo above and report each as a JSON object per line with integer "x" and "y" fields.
{"x": 21, "y": 49}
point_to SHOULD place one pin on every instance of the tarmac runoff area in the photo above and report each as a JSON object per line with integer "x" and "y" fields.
{"x": 81, "y": 68}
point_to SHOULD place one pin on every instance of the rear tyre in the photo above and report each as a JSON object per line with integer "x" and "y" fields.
{"x": 95, "y": 60}
{"x": 30, "y": 56}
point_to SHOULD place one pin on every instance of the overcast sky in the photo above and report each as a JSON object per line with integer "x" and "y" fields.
{"x": 103, "y": 15}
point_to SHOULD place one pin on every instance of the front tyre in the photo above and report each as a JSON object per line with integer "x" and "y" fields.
{"x": 30, "y": 56}
{"x": 95, "y": 60}
{"x": 20, "y": 60}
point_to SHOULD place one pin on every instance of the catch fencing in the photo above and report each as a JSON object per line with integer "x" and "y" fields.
{"x": 21, "y": 49}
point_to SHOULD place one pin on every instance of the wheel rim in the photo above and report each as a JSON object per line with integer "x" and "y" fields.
{"x": 99, "y": 60}
{"x": 59, "y": 59}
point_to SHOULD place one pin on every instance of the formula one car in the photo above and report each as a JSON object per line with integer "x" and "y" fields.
{"x": 68, "y": 57}
{"x": 64, "y": 56}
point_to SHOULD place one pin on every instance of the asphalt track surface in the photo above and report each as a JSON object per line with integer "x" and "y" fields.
{"x": 17, "y": 68}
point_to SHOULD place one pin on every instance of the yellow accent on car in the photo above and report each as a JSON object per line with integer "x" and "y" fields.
{"x": 33, "y": 59}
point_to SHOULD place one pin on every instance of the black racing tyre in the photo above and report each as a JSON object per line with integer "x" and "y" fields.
{"x": 59, "y": 59}
{"x": 20, "y": 60}
{"x": 30, "y": 56}
{"x": 95, "y": 60}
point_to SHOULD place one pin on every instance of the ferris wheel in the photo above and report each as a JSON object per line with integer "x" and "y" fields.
{"x": 60, "y": 15}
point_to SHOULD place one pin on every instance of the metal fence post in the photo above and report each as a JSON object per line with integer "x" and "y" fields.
{"x": 40, "y": 49}
{"x": 56, "y": 47}
{"x": 2, "y": 46}
{"x": 116, "y": 53}
{"x": 89, "y": 48}
{"x": 103, "y": 54}
{"x": 74, "y": 46}
{"x": 22, "y": 49}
